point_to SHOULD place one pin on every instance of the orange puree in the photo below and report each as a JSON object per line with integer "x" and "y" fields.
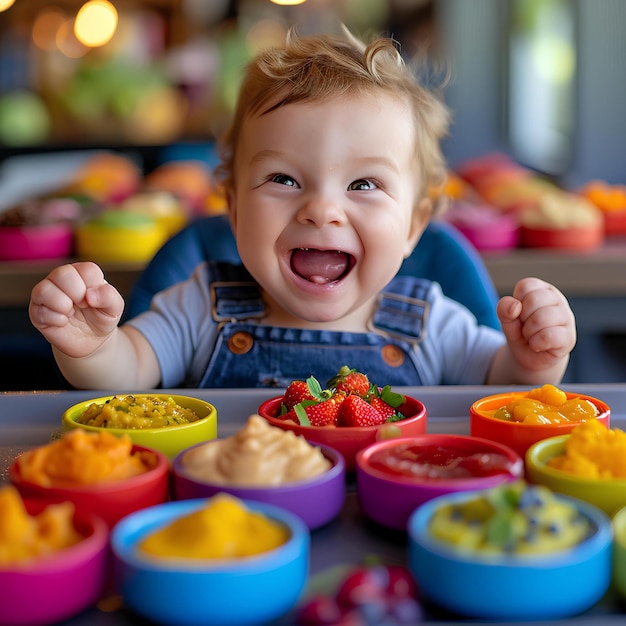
{"x": 224, "y": 529}
{"x": 83, "y": 458}
{"x": 547, "y": 405}
{"x": 593, "y": 451}
{"x": 24, "y": 537}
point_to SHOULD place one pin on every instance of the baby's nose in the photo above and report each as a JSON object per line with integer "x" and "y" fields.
{"x": 321, "y": 209}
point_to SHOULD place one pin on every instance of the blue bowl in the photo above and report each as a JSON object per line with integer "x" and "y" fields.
{"x": 247, "y": 591}
{"x": 510, "y": 587}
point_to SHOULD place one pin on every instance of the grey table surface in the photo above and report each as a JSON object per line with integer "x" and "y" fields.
{"x": 28, "y": 419}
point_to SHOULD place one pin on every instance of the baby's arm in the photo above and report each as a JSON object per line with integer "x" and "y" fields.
{"x": 78, "y": 312}
{"x": 540, "y": 332}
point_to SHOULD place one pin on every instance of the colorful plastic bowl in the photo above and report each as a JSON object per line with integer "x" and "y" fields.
{"x": 511, "y": 587}
{"x": 619, "y": 553}
{"x": 517, "y": 435}
{"x": 50, "y": 241}
{"x": 389, "y": 497}
{"x": 120, "y": 236}
{"x": 109, "y": 501}
{"x": 317, "y": 501}
{"x": 246, "y": 591}
{"x": 350, "y": 439}
{"x": 60, "y": 585}
{"x": 608, "y": 494}
{"x": 169, "y": 440}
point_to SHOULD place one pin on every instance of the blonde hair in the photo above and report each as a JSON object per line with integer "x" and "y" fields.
{"x": 320, "y": 67}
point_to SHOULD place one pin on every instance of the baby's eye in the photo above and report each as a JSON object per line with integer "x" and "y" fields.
{"x": 283, "y": 179}
{"x": 361, "y": 185}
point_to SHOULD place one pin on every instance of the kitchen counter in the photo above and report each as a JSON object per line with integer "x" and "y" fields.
{"x": 28, "y": 419}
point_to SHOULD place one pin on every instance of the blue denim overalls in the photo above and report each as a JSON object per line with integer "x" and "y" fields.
{"x": 248, "y": 354}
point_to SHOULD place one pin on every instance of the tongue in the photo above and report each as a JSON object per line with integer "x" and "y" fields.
{"x": 319, "y": 266}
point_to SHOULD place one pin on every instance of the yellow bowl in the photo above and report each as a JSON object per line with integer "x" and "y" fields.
{"x": 120, "y": 236}
{"x": 608, "y": 494}
{"x": 619, "y": 552}
{"x": 170, "y": 440}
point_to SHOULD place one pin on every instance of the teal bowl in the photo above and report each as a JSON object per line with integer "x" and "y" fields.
{"x": 511, "y": 587}
{"x": 229, "y": 592}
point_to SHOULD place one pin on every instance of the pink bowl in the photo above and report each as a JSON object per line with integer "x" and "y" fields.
{"x": 52, "y": 241}
{"x": 316, "y": 501}
{"x": 110, "y": 501}
{"x": 390, "y": 498}
{"x": 60, "y": 585}
{"x": 349, "y": 439}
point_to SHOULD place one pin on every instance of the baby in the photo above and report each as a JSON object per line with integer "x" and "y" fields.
{"x": 327, "y": 165}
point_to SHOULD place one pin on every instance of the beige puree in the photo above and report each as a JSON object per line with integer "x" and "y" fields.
{"x": 258, "y": 455}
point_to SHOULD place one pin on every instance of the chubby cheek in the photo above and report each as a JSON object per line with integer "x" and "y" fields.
{"x": 384, "y": 252}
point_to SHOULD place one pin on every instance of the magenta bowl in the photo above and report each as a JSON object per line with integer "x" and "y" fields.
{"x": 51, "y": 241}
{"x": 57, "y": 587}
{"x": 348, "y": 440}
{"x": 109, "y": 501}
{"x": 316, "y": 501}
{"x": 389, "y": 496}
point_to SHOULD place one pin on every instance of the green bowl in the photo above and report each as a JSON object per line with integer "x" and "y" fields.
{"x": 170, "y": 440}
{"x": 608, "y": 494}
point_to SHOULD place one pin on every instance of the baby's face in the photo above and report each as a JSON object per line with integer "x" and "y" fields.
{"x": 323, "y": 205}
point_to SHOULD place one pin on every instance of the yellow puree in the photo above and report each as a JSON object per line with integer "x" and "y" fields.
{"x": 80, "y": 457}
{"x": 547, "y": 405}
{"x": 24, "y": 537}
{"x": 593, "y": 451}
{"x": 224, "y": 529}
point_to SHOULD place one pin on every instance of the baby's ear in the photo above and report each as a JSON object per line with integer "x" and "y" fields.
{"x": 422, "y": 214}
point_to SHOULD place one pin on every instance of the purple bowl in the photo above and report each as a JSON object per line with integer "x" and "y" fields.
{"x": 316, "y": 501}
{"x": 390, "y": 499}
{"x": 54, "y": 588}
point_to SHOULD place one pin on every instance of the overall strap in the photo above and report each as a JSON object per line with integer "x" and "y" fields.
{"x": 403, "y": 309}
{"x": 235, "y": 294}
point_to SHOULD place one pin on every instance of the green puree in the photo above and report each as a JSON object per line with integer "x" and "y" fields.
{"x": 515, "y": 519}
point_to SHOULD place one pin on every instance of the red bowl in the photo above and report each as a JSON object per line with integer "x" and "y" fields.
{"x": 581, "y": 239}
{"x": 110, "y": 501}
{"x": 389, "y": 498}
{"x": 52, "y": 241}
{"x": 517, "y": 435}
{"x": 349, "y": 439}
{"x": 60, "y": 585}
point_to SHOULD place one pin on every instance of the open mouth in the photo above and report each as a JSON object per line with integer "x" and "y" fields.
{"x": 321, "y": 266}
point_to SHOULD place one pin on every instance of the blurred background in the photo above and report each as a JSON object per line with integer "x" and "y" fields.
{"x": 536, "y": 147}
{"x": 539, "y": 79}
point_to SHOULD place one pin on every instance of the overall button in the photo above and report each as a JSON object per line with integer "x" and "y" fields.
{"x": 392, "y": 355}
{"x": 240, "y": 343}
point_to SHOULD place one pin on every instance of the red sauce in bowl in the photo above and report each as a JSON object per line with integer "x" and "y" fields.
{"x": 439, "y": 462}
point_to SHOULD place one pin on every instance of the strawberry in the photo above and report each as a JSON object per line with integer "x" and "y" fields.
{"x": 355, "y": 411}
{"x": 324, "y": 413}
{"x": 383, "y": 407}
{"x": 296, "y": 392}
{"x": 351, "y": 381}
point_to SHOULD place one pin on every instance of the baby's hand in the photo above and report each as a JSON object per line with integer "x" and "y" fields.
{"x": 75, "y": 308}
{"x": 538, "y": 324}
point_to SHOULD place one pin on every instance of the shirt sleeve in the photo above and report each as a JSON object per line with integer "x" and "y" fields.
{"x": 456, "y": 350}
{"x": 180, "y": 328}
